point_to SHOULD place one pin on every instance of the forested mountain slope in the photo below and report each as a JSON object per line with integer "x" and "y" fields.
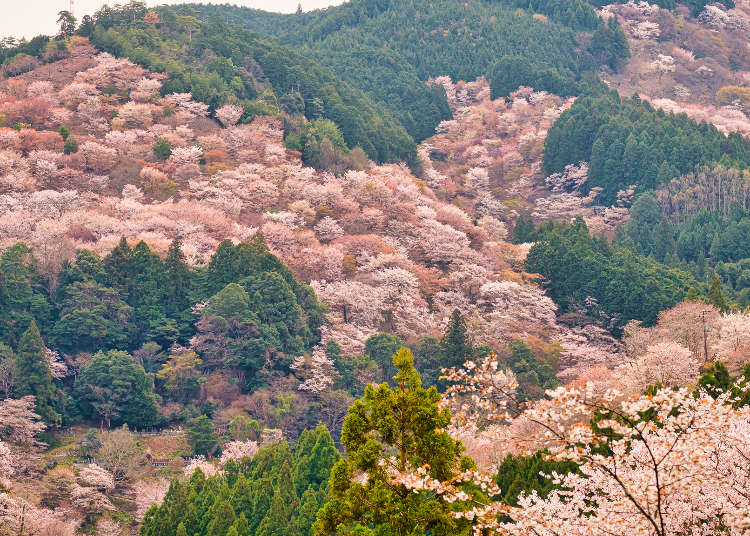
{"x": 238, "y": 299}
{"x": 389, "y": 49}
{"x": 216, "y": 62}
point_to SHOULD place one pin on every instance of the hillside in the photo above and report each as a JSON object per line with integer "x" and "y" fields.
{"x": 218, "y": 63}
{"x": 385, "y": 268}
{"x": 389, "y": 49}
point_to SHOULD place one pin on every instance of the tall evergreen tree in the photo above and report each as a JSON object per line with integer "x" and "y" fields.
{"x": 176, "y": 280}
{"x": 34, "y": 377}
{"x": 277, "y": 521}
{"x": 404, "y": 425}
{"x": 222, "y": 518}
{"x": 716, "y": 296}
{"x": 455, "y": 345}
{"x": 201, "y": 436}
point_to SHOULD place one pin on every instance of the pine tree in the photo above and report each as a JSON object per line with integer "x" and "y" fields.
{"x": 222, "y": 518}
{"x": 277, "y": 521}
{"x": 308, "y": 508}
{"x": 407, "y": 422}
{"x": 240, "y": 526}
{"x": 242, "y": 496}
{"x": 715, "y": 295}
{"x": 455, "y": 345}
{"x": 262, "y": 493}
{"x": 34, "y": 377}
{"x": 117, "y": 267}
{"x": 176, "y": 280}
{"x": 181, "y": 529}
{"x": 314, "y": 457}
{"x": 201, "y": 436}
{"x": 691, "y": 295}
{"x": 222, "y": 269}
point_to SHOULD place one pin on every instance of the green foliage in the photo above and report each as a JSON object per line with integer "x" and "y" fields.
{"x": 627, "y": 142}
{"x": 93, "y": 317}
{"x": 610, "y": 46}
{"x": 70, "y": 146}
{"x": 10, "y": 47}
{"x": 707, "y": 244}
{"x": 453, "y": 350}
{"x": 519, "y": 474}
{"x": 23, "y": 298}
{"x": 381, "y": 348}
{"x": 715, "y": 296}
{"x": 323, "y": 147}
{"x": 717, "y": 382}
{"x": 33, "y": 375}
{"x": 389, "y": 49}
{"x": 313, "y": 458}
{"x": 162, "y": 149}
{"x": 201, "y": 436}
{"x": 513, "y": 71}
{"x": 577, "y": 266}
{"x": 64, "y": 131}
{"x": 534, "y": 376}
{"x": 407, "y": 423}
{"x": 116, "y": 389}
{"x": 255, "y": 496}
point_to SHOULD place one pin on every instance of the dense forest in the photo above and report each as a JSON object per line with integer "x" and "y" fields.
{"x": 628, "y": 142}
{"x": 390, "y": 49}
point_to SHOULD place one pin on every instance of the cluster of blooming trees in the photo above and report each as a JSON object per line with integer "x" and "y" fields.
{"x": 680, "y": 64}
{"x": 667, "y": 463}
{"x": 490, "y": 153}
{"x": 379, "y": 247}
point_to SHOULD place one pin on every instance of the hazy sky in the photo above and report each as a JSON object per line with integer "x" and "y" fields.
{"x": 27, "y": 18}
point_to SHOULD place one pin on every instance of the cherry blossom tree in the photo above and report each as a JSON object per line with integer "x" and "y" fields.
{"x": 7, "y": 465}
{"x": 237, "y": 450}
{"x": 89, "y": 494}
{"x": 18, "y": 516}
{"x": 44, "y": 89}
{"x": 91, "y": 114}
{"x": 328, "y": 229}
{"x": 98, "y": 157}
{"x": 184, "y": 102}
{"x": 76, "y": 92}
{"x": 134, "y": 115}
{"x": 200, "y": 462}
{"x": 108, "y": 527}
{"x": 664, "y": 363}
{"x": 734, "y": 335}
{"x": 317, "y": 371}
{"x": 146, "y": 89}
{"x": 681, "y": 469}
{"x": 185, "y": 155}
{"x": 352, "y": 301}
{"x": 18, "y": 421}
{"x": 147, "y": 493}
{"x": 229, "y": 114}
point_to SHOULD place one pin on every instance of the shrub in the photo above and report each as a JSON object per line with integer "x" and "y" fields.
{"x": 71, "y": 145}
{"x": 162, "y": 149}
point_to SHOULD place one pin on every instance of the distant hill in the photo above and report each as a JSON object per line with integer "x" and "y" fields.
{"x": 389, "y": 49}
{"x": 217, "y": 63}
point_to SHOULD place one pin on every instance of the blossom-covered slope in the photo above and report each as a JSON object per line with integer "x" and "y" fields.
{"x": 378, "y": 245}
{"x": 488, "y": 159}
{"x": 699, "y": 66}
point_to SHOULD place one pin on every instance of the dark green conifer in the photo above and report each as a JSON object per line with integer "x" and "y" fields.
{"x": 34, "y": 377}
{"x": 716, "y": 296}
